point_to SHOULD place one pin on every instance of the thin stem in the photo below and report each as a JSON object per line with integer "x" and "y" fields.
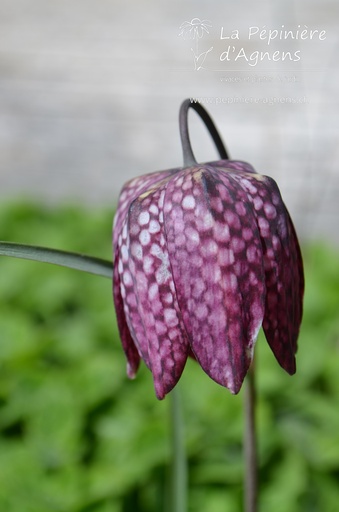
{"x": 250, "y": 444}
{"x": 72, "y": 260}
{"x": 189, "y": 158}
{"x": 179, "y": 466}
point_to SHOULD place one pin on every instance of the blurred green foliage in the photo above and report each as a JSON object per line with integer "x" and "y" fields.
{"x": 77, "y": 436}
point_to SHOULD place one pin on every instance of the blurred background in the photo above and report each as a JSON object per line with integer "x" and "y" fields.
{"x": 90, "y": 92}
{"x": 89, "y": 97}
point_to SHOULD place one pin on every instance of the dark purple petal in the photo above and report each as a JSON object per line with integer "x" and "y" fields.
{"x": 296, "y": 302}
{"x": 132, "y": 354}
{"x": 167, "y": 343}
{"x": 216, "y": 258}
{"x": 283, "y": 267}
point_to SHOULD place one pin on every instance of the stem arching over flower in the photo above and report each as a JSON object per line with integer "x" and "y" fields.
{"x": 188, "y": 155}
{"x": 205, "y": 255}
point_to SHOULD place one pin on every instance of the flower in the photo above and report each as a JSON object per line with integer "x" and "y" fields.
{"x": 205, "y": 255}
{"x": 194, "y": 29}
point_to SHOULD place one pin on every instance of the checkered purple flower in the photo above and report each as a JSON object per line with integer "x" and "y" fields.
{"x": 204, "y": 256}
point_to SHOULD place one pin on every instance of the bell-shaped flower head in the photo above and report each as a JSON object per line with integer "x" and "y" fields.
{"x": 205, "y": 255}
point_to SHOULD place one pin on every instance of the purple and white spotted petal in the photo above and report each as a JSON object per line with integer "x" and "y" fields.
{"x": 132, "y": 354}
{"x": 127, "y": 293}
{"x": 283, "y": 267}
{"x": 130, "y": 191}
{"x": 167, "y": 342}
{"x": 216, "y": 259}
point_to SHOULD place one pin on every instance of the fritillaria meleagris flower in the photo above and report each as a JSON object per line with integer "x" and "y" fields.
{"x": 204, "y": 256}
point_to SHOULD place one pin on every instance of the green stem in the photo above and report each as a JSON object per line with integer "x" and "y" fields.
{"x": 179, "y": 467}
{"x": 72, "y": 260}
{"x": 251, "y": 483}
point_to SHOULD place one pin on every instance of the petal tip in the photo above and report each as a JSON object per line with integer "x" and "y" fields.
{"x": 288, "y": 364}
{"x": 163, "y": 387}
{"x": 234, "y": 381}
{"x": 131, "y": 371}
{"x": 292, "y": 367}
{"x": 159, "y": 392}
{"x": 234, "y": 389}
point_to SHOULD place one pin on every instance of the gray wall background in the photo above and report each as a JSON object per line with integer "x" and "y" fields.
{"x": 90, "y": 92}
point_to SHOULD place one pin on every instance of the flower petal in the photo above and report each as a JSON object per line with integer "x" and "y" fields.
{"x": 296, "y": 302}
{"x": 283, "y": 267}
{"x": 210, "y": 230}
{"x": 132, "y": 354}
{"x": 237, "y": 165}
{"x": 130, "y": 191}
{"x": 167, "y": 342}
{"x": 126, "y": 269}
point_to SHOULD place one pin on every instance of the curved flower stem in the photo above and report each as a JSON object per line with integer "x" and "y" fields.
{"x": 250, "y": 444}
{"x": 179, "y": 466}
{"x": 73, "y": 260}
{"x": 189, "y": 158}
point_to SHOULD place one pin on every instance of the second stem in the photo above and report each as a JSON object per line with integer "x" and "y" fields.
{"x": 250, "y": 447}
